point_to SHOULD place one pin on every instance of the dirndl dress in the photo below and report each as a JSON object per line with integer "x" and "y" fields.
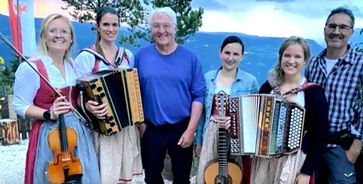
{"x": 209, "y": 150}
{"x": 281, "y": 170}
{"x": 119, "y": 155}
{"x": 84, "y": 150}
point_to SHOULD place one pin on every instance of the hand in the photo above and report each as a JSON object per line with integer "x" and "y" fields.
{"x": 60, "y": 106}
{"x": 223, "y": 122}
{"x": 186, "y": 139}
{"x": 354, "y": 151}
{"x": 98, "y": 110}
{"x": 302, "y": 179}
{"x": 198, "y": 150}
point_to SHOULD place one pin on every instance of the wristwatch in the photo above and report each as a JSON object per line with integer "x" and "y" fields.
{"x": 46, "y": 115}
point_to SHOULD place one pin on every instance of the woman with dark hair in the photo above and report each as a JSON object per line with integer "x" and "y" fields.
{"x": 119, "y": 155}
{"x": 34, "y": 98}
{"x": 284, "y": 78}
{"x": 230, "y": 79}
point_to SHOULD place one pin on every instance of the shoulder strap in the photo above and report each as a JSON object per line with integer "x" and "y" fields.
{"x": 96, "y": 54}
{"x": 304, "y": 87}
{"x": 98, "y": 57}
{"x": 45, "y": 94}
{"x": 41, "y": 68}
{"x": 121, "y": 56}
{"x": 124, "y": 56}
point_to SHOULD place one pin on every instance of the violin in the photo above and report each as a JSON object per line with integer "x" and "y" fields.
{"x": 65, "y": 167}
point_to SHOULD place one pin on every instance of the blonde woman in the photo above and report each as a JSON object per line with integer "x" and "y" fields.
{"x": 35, "y": 99}
{"x": 287, "y": 75}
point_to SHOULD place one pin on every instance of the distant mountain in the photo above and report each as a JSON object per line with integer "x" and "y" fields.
{"x": 260, "y": 52}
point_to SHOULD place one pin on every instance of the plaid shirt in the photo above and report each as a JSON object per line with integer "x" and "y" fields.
{"x": 342, "y": 89}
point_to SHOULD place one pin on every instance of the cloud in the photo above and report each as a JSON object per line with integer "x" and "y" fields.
{"x": 209, "y": 5}
{"x": 277, "y": 18}
{"x": 357, "y": 10}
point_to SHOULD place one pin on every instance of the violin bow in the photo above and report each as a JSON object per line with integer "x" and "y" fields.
{"x": 8, "y": 43}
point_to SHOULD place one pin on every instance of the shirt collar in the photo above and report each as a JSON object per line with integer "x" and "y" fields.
{"x": 215, "y": 73}
{"x": 346, "y": 57}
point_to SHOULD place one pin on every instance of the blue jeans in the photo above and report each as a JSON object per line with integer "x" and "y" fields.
{"x": 340, "y": 169}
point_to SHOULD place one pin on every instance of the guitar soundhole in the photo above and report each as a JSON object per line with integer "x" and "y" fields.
{"x": 223, "y": 180}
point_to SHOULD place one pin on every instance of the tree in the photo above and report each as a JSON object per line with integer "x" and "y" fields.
{"x": 7, "y": 76}
{"x": 130, "y": 11}
{"x": 189, "y": 20}
{"x": 134, "y": 14}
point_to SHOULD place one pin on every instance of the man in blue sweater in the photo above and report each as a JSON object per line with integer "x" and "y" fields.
{"x": 172, "y": 87}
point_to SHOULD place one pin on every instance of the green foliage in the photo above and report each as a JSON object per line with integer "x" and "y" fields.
{"x": 130, "y": 12}
{"x": 134, "y": 14}
{"x": 7, "y": 76}
{"x": 189, "y": 20}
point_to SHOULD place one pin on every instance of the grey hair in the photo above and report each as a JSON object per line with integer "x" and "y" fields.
{"x": 164, "y": 11}
{"x": 276, "y": 74}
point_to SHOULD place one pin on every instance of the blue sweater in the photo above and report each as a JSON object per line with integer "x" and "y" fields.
{"x": 169, "y": 83}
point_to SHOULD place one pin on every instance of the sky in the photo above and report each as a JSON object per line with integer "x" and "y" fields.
{"x": 276, "y": 18}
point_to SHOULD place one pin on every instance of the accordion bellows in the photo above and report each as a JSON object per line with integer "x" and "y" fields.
{"x": 264, "y": 125}
{"x": 120, "y": 90}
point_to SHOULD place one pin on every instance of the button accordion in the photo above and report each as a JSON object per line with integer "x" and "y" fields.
{"x": 120, "y": 90}
{"x": 264, "y": 125}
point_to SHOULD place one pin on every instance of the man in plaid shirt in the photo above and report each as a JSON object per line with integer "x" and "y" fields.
{"x": 339, "y": 70}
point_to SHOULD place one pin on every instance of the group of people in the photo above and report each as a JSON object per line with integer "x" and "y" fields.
{"x": 177, "y": 102}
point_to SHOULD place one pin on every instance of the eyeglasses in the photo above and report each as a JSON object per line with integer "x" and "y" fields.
{"x": 159, "y": 26}
{"x": 342, "y": 27}
{"x": 54, "y": 32}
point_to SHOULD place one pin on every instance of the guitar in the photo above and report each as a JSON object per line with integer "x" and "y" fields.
{"x": 222, "y": 171}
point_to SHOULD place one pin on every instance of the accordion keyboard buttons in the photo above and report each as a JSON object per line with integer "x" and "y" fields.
{"x": 234, "y": 147}
{"x": 295, "y": 129}
{"x": 99, "y": 89}
{"x": 110, "y": 118}
{"x": 93, "y": 86}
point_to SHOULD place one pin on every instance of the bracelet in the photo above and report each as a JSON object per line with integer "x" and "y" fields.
{"x": 47, "y": 116}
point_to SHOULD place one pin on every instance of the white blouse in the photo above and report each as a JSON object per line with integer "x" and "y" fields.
{"x": 27, "y": 82}
{"x": 85, "y": 62}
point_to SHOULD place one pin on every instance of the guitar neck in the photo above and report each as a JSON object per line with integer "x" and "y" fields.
{"x": 222, "y": 152}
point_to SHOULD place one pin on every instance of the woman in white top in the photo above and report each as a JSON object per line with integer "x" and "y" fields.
{"x": 119, "y": 154}
{"x": 35, "y": 99}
